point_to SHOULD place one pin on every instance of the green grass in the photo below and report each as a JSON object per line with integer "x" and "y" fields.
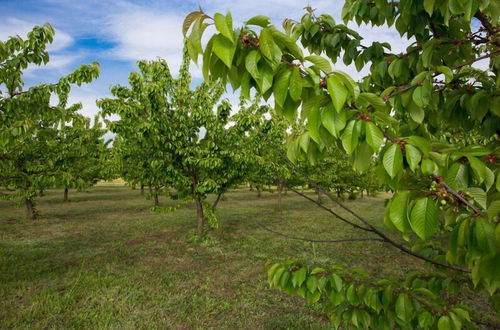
{"x": 104, "y": 260}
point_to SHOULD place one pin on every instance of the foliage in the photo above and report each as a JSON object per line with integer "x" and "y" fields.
{"x": 81, "y": 153}
{"x": 29, "y": 124}
{"x": 172, "y": 136}
{"x": 404, "y": 115}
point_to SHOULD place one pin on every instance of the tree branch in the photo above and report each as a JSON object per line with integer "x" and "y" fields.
{"x": 328, "y": 209}
{"x": 369, "y": 227}
{"x": 214, "y": 205}
{"x": 450, "y": 190}
{"x": 343, "y": 240}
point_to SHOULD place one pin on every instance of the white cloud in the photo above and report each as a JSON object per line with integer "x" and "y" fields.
{"x": 146, "y": 35}
{"x": 13, "y": 26}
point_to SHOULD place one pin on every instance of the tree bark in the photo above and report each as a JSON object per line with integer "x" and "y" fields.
{"x": 280, "y": 190}
{"x": 319, "y": 195}
{"x": 150, "y": 190}
{"x": 200, "y": 217}
{"x": 30, "y": 209}
{"x": 157, "y": 202}
{"x": 258, "y": 192}
{"x": 66, "y": 194}
{"x": 142, "y": 190}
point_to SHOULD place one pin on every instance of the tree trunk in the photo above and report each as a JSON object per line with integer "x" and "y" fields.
{"x": 258, "y": 192}
{"x": 65, "y": 194}
{"x": 30, "y": 209}
{"x": 157, "y": 202}
{"x": 142, "y": 190}
{"x": 319, "y": 195}
{"x": 251, "y": 188}
{"x": 361, "y": 193}
{"x": 150, "y": 190}
{"x": 200, "y": 217}
{"x": 280, "y": 190}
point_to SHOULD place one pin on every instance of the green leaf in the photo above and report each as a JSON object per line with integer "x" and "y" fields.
{"x": 393, "y": 160}
{"x": 374, "y": 136}
{"x": 277, "y": 276}
{"x": 289, "y": 43}
{"x": 267, "y": 44}
{"x": 295, "y": 84}
{"x": 271, "y": 271}
{"x": 479, "y": 195}
{"x": 429, "y": 6}
{"x": 420, "y": 97}
{"x": 352, "y": 296}
{"x": 336, "y": 282}
{"x": 428, "y": 167}
{"x": 313, "y": 124}
{"x": 413, "y": 156}
{"x": 444, "y": 323}
{"x": 304, "y": 141}
{"x": 420, "y": 142}
{"x": 423, "y": 219}
{"x": 337, "y": 92}
{"x": 374, "y": 100}
{"x": 251, "y": 64}
{"x": 224, "y": 24}
{"x": 280, "y": 87}
{"x": 224, "y": 49}
{"x": 398, "y": 211}
{"x": 312, "y": 283}
{"x": 320, "y": 62}
{"x": 448, "y": 74}
{"x": 299, "y": 277}
{"x": 404, "y": 308}
{"x": 362, "y": 157}
{"x": 478, "y": 168}
{"x": 417, "y": 113}
{"x": 350, "y": 137}
{"x": 457, "y": 176}
{"x": 259, "y": 20}
{"x": 190, "y": 18}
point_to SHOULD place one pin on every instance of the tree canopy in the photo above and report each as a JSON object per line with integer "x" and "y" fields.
{"x": 29, "y": 122}
{"x": 405, "y": 116}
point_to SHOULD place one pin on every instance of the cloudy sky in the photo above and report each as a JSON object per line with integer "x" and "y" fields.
{"x": 118, "y": 33}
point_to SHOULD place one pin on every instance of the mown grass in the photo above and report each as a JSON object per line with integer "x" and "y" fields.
{"x": 104, "y": 260}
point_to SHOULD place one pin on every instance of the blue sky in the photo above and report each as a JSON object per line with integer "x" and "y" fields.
{"x": 118, "y": 33}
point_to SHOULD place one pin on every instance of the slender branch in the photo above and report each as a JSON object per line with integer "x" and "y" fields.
{"x": 407, "y": 88}
{"x": 485, "y": 22}
{"x": 328, "y": 209}
{"x": 317, "y": 240}
{"x": 214, "y": 205}
{"x": 457, "y": 195}
{"x": 373, "y": 229}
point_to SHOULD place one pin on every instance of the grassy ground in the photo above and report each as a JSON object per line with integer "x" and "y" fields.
{"x": 103, "y": 260}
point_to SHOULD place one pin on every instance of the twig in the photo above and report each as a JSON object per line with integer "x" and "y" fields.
{"x": 328, "y": 210}
{"x": 455, "y": 194}
{"x": 318, "y": 240}
{"x": 214, "y": 205}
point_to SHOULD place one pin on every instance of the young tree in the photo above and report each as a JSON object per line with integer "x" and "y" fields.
{"x": 183, "y": 134}
{"x": 29, "y": 124}
{"x": 264, "y": 132}
{"x": 81, "y": 154}
{"x": 403, "y": 111}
